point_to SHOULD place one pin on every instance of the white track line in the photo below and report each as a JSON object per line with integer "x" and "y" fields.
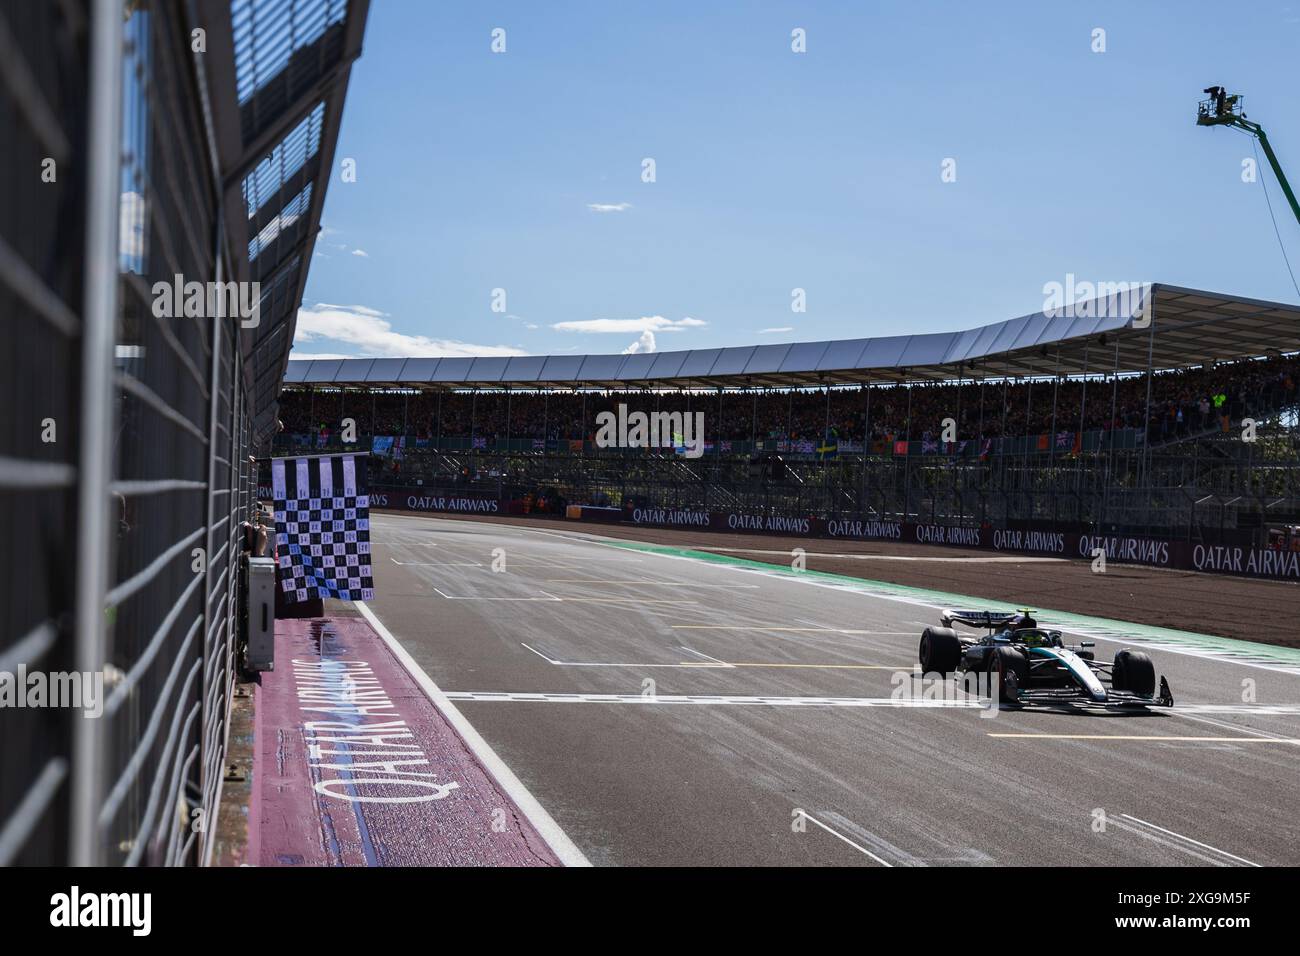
{"x": 542, "y": 822}
{"x": 1160, "y": 643}
{"x": 974, "y": 559}
{"x": 449, "y": 597}
{"x": 861, "y": 849}
{"x": 805, "y": 630}
{"x": 436, "y": 564}
{"x": 700, "y": 666}
{"x": 862, "y": 588}
{"x": 708, "y": 663}
{"x": 1204, "y": 846}
{"x": 540, "y": 654}
{"x": 628, "y": 600}
{"x": 691, "y": 650}
{"x": 1152, "y": 738}
{"x": 1248, "y": 710}
{"x": 724, "y": 699}
{"x": 667, "y": 584}
{"x": 1224, "y": 724}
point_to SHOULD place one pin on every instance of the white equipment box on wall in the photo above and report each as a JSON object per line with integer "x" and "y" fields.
{"x": 259, "y": 614}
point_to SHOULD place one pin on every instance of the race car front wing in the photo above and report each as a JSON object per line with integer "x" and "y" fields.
{"x": 1078, "y": 695}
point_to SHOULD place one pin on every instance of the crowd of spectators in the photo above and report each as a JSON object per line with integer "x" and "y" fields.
{"x": 1182, "y": 402}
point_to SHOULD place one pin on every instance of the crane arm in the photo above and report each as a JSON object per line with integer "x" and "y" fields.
{"x": 1224, "y": 109}
{"x": 1258, "y": 132}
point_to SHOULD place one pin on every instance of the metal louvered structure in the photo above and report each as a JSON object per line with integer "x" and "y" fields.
{"x": 188, "y": 138}
{"x": 288, "y": 63}
{"x": 1186, "y": 327}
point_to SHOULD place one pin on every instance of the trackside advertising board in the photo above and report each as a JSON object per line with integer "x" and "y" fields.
{"x": 1239, "y": 560}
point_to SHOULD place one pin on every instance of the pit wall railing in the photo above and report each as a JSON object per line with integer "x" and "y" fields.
{"x": 124, "y": 472}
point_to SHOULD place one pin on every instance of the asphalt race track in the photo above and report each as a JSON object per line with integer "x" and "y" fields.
{"x": 668, "y": 710}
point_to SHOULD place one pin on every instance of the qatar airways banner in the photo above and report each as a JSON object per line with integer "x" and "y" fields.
{"x": 724, "y": 521}
{"x": 417, "y": 499}
{"x": 1252, "y": 562}
{"x": 1118, "y": 549}
{"x": 1125, "y": 550}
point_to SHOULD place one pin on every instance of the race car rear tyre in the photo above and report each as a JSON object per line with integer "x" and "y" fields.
{"x": 1133, "y": 672}
{"x": 940, "y": 650}
{"x": 1006, "y": 660}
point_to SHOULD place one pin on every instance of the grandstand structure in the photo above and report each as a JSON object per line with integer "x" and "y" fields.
{"x": 1122, "y": 414}
{"x": 145, "y": 143}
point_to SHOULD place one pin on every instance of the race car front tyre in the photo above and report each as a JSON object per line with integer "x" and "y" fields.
{"x": 940, "y": 651}
{"x": 1004, "y": 661}
{"x": 1133, "y": 672}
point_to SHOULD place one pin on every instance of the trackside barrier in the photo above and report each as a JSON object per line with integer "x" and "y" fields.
{"x": 1241, "y": 560}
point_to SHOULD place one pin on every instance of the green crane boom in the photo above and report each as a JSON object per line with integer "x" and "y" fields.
{"x": 1225, "y": 109}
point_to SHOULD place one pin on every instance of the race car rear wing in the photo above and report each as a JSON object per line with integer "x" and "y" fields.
{"x": 988, "y": 619}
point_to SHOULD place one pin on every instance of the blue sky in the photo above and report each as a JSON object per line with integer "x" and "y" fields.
{"x": 776, "y": 170}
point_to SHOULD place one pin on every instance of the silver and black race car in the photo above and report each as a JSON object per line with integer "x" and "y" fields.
{"x": 1034, "y": 666}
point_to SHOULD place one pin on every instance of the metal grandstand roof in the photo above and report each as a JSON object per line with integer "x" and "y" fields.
{"x": 277, "y": 72}
{"x": 1187, "y": 327}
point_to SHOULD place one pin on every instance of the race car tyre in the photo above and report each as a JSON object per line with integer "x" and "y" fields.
{"x": 1134, "y": 672}
{"x": 1005, "y": 660}
{"x": 940, "y": 650}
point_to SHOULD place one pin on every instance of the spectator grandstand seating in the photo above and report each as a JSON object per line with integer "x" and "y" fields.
{"x": 1183, "y": 401}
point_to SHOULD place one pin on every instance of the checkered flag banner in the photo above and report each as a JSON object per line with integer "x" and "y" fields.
{"x": 322, "y": 527}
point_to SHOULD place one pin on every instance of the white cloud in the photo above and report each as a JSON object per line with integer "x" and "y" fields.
{"x": 361, "y": 252}
{"x": 370, "y": 333}
{"x": 530, "y": 325}
{"x": 609, "y": 206}
{"x": 646, "y": 343}
{"x": 650, "y": 323}
{"x": 779, "y": 328}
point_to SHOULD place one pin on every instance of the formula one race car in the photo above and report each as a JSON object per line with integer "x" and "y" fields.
{"x": 1034, "y": 666}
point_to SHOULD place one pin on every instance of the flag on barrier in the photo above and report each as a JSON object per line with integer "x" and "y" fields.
{"x": 322, "y": 528}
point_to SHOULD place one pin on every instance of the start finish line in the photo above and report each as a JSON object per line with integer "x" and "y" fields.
{"x": 356, "y": 767}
